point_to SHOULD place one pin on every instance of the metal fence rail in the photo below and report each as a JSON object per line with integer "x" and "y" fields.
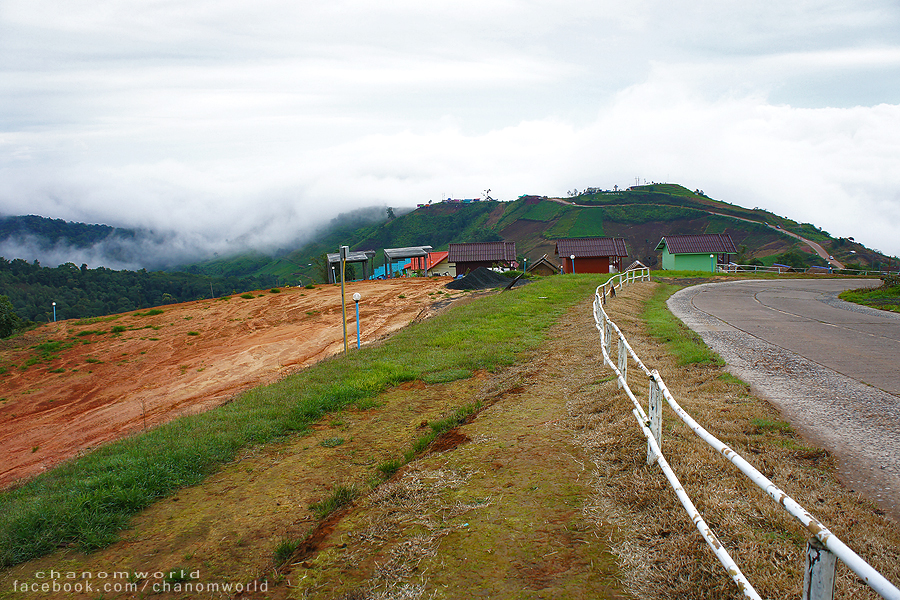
{"x": 822, "y": 548}
{"x": 735, "y": 268}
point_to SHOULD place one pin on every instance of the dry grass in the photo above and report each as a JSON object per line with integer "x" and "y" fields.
{"x": 403, "y": 522}
{"x": 659, "y": 550}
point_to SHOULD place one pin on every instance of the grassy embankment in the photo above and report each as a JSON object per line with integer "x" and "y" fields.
{"x": 680, "y": 341}
{"x": 886, "y": 297}
{"x": 87, "y": 501}
{"x": 765, "y": 541}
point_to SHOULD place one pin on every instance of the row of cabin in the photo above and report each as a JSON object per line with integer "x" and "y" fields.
{"x": 575, "y": 255}
{"x": 579, "y": 255}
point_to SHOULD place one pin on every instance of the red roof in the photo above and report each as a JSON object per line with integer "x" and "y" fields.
{"x": 436, "y": 257}
{"x": 706, "y": 243}
{"x": 482, "y": 252}
{"x": 590, "y": 247}
{"x": 433, "y": 259}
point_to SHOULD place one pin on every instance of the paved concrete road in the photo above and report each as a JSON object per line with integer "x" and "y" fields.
{"x": 832, "y": 368}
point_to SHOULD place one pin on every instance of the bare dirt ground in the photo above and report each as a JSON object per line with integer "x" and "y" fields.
{"x": 544, "y": 493}
{"x": 111, "y": 377}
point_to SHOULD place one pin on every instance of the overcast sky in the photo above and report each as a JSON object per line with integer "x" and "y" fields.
{"x": 237, "y": 121}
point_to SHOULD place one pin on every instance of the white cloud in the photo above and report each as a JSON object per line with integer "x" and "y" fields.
{"x": 229, "y": 121}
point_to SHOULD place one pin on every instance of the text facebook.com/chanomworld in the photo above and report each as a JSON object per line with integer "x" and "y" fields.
{"x": 177, "y": 581}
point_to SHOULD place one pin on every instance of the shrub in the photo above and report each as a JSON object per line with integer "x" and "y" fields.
{"x": 389, "y": 467}
{"x": 341, "y": 496}
{"x": 9, "y": 320}
{"x": 285, "y": 549}
{"x": 890, "y": 280}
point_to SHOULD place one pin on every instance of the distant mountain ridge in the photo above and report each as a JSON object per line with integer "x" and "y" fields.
{"x": 50, "y": 232}
{"x": 641, "y": 215}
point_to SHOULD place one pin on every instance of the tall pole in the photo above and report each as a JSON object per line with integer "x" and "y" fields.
{"x": 357, "y": 298}
{"x": 54, "y": 312}
{"x": 344, "y": 250}
{"x": 572, "y": 257}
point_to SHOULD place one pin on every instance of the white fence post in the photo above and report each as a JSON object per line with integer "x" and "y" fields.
{"x": 822, "y": 556}
{"x": 818, "y": 579}
{"x": 607, "y": 341}
{"x": 655, "y": 413}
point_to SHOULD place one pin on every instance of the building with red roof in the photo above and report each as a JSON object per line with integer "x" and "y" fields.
{"x": 591, "y": 255}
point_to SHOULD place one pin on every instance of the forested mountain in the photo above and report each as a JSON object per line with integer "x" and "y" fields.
{"x": 50, "y": 232}
{"x": 641, "y": 215}
{"x": 83, "y": 292}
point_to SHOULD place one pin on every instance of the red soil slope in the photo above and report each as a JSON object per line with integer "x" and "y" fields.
{"x": 192, "y": 357}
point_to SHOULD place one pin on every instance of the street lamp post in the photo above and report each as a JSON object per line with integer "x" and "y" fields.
{"x": 572, "y": 258}
{"x": 54, "y": 312}
{"x": 357, "y": 298}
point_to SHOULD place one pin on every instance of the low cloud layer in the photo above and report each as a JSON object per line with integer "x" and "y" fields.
{"x": 224, "y": 126}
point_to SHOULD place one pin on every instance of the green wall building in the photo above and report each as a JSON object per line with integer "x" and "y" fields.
{"x": 695, "y": 252}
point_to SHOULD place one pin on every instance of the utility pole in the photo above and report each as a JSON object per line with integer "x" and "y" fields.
{"x": 356, "y": 298}
{"x": 344, "y": 250}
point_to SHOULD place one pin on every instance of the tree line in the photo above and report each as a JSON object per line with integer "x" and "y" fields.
{"x": 81, "y": 292}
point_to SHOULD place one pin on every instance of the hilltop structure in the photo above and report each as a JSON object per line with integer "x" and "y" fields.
{"x": 695, "y": 252}
{"x": 591, "y": 255}
{"x": 469, "y": 257}
{"x": 435, "y": 263}
{"x": 334, "y": 263}
{"x": 544, "y": 267}
{"x": 392, "y": 255}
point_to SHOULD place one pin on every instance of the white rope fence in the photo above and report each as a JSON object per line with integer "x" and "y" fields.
{"x": 822, "y": 548}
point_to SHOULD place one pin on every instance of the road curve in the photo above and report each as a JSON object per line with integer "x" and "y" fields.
{"x": 829, "y": 366}
{"x": 816, "y": 247}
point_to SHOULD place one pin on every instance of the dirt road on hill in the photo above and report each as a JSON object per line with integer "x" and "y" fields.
{"x": 72, "y": 385}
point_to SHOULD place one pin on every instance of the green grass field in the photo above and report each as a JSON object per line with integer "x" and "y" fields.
{"x": 88, "y": 500}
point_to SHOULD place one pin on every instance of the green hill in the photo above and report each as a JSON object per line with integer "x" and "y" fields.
{"x": 641, "y": 215}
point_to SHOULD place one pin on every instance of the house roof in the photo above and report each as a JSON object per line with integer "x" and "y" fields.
{"x": 362, "y": 256}
{"x": 393, "y": 254}
{"x": 707, "y": 243}
{"x": 433, "y": 259}
{"x": 482, "y": 252}
{"x": 436, "y": 257}
{"x": 590, "y": 247}
{"x": 543, "y": 261}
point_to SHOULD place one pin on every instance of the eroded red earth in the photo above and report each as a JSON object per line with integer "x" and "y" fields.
{"x": 110, "y": 378}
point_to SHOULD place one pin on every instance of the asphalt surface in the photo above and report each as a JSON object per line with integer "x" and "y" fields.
{"x": 831, "y": 367}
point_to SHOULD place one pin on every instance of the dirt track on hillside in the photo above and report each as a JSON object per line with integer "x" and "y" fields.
{"x": 113, "y": 377}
